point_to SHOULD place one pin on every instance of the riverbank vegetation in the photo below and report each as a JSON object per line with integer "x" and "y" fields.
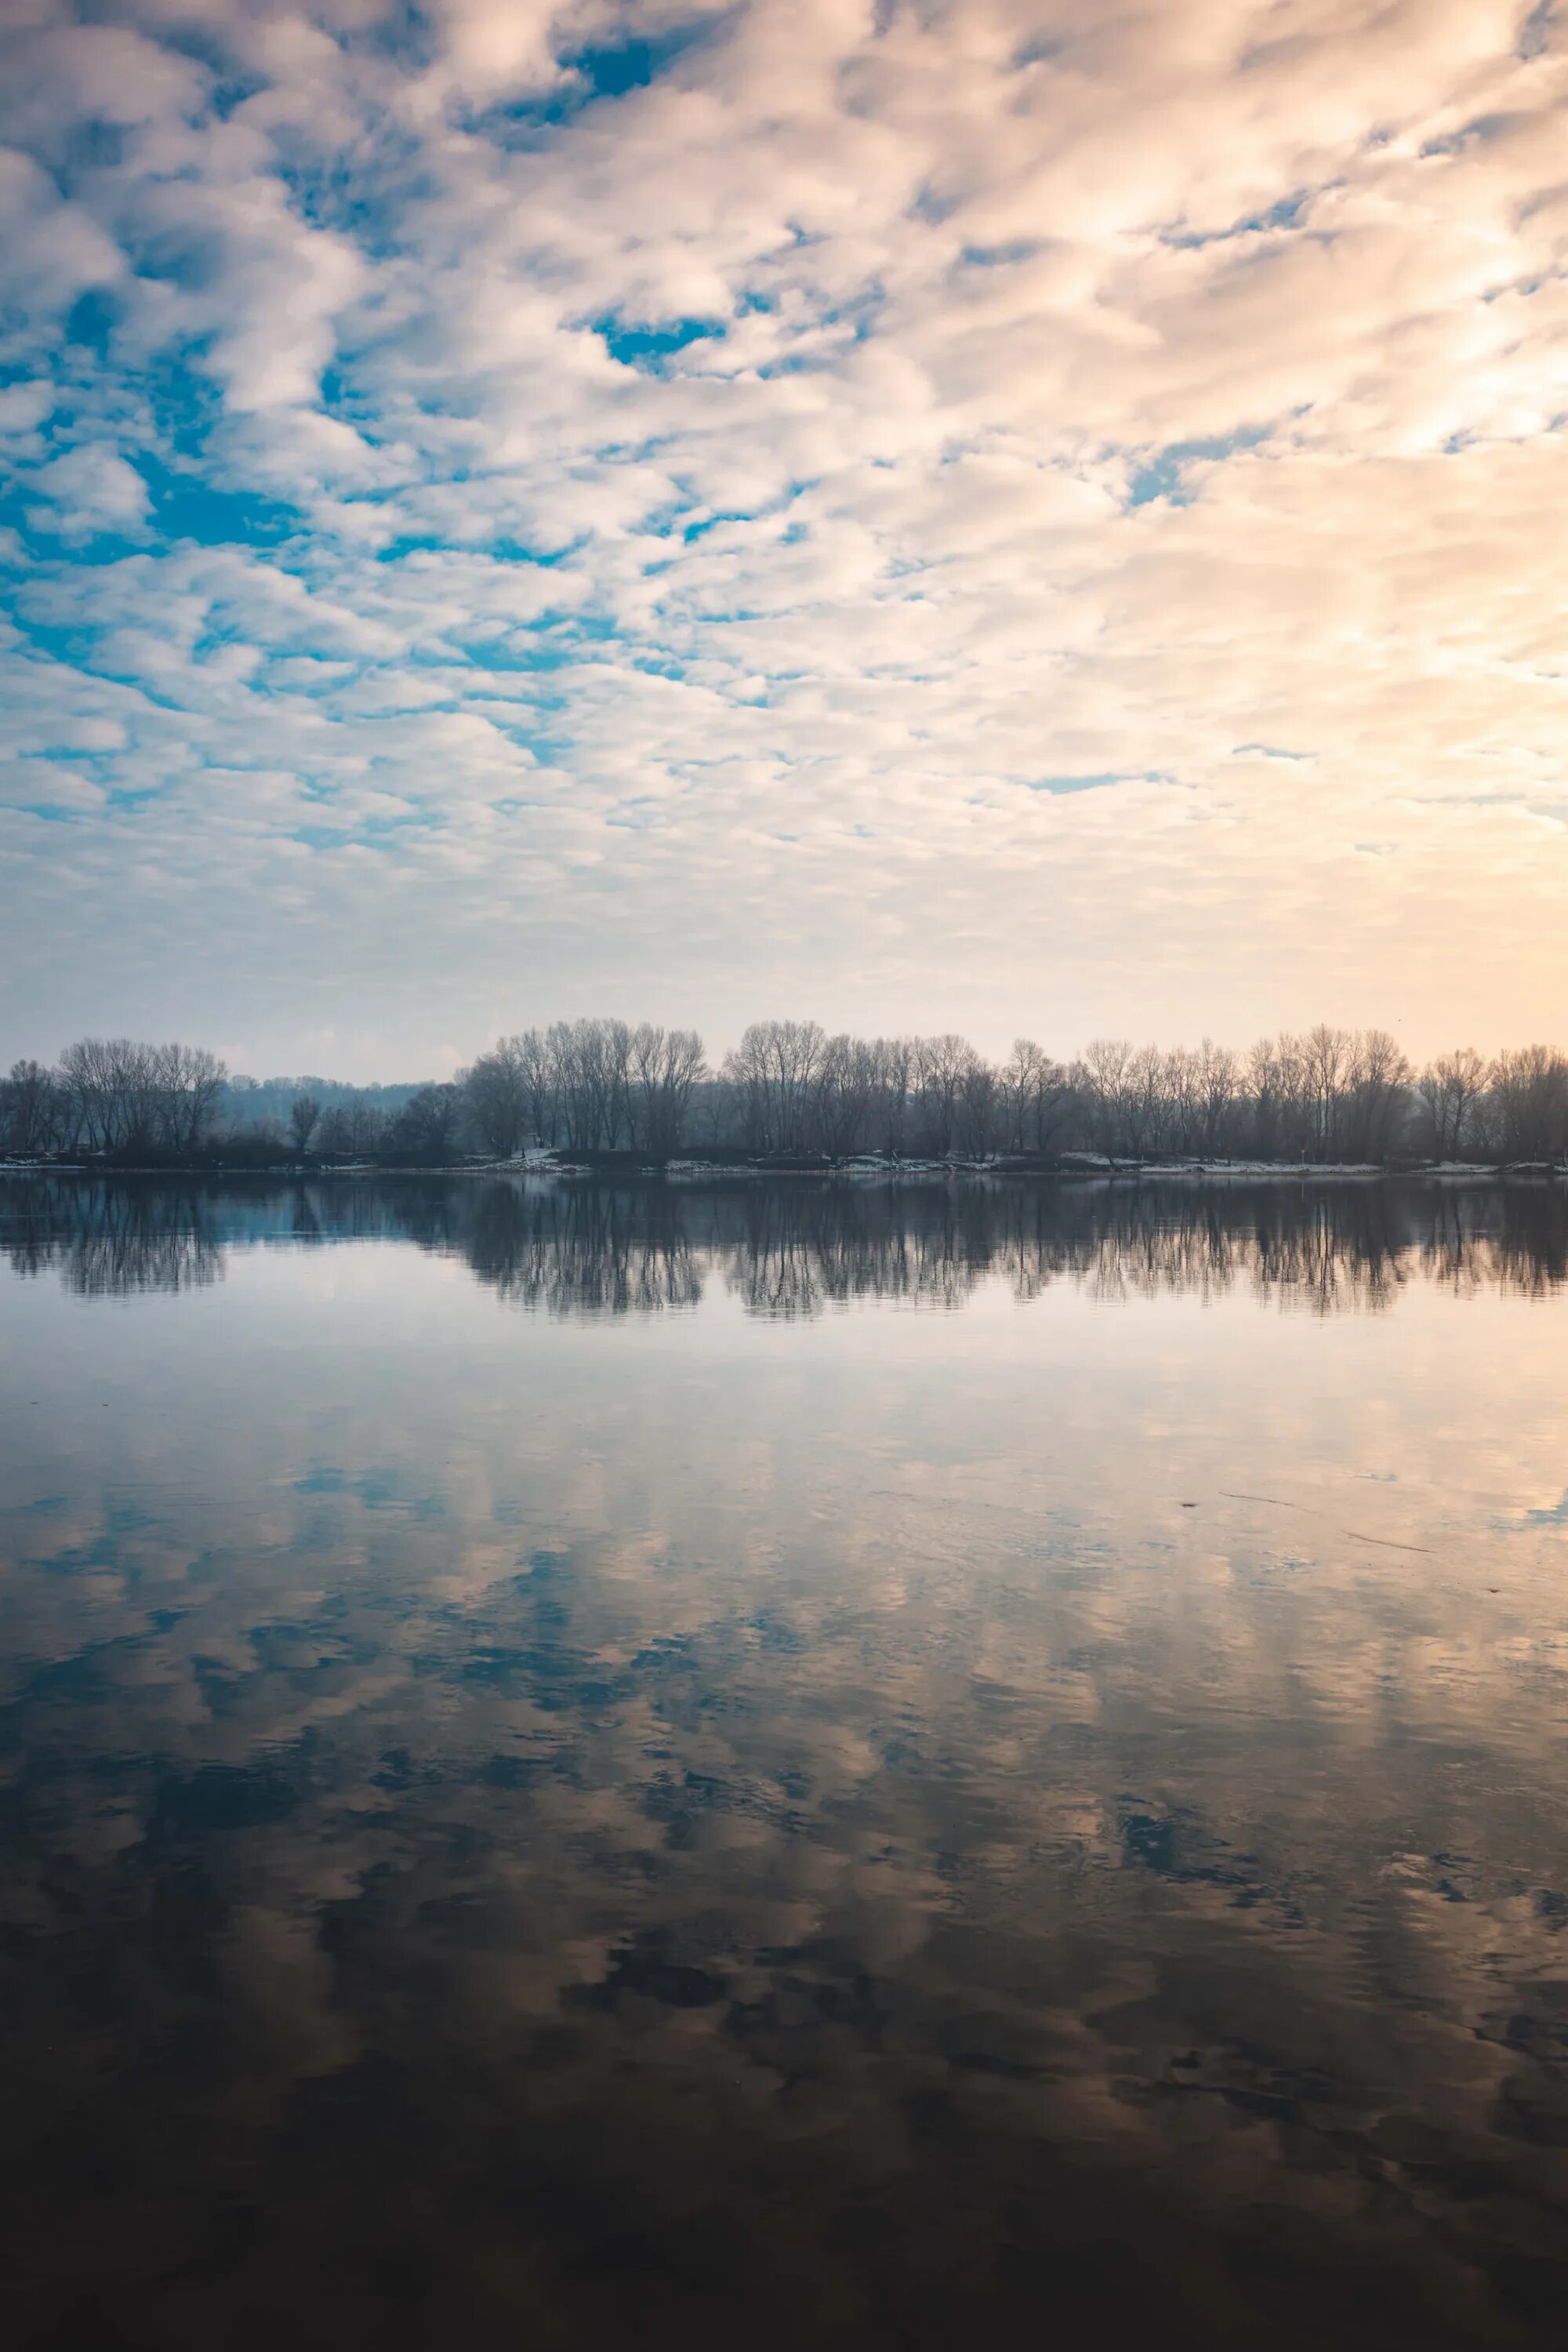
{"x": 789, "y": 1092}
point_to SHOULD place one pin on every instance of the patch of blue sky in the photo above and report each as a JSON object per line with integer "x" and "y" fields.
{"x": 1164, "y": 476}
{"x": 230, "y": 90}
{"x": 649, "y": 347}
{"x": 1478, "y": 133}
{"x": 365, "y": 833}
{"x": 1535, "y": 33}
{"x": 520, "y": 658}
{"x": 230, "y": 84}
{"x": 1096, "y": 783}
{"x": 502, "y": 549}
{"x": 343, "y": 398}
{"x": 91, "y": 320}
{"x": 598, "y": 73}
{"x": 546, "y": 749}
{"x": 47, "y": 812}
{"x": 184, "y": 405}
{"x": 1286, "y": 212}
{"x": 1265, "y": 751}
{"x": 89, "y": 145}
{"x": 189, "y": 254}
{"x": 188, "y": 38}
{"x": 694, "y": 527}
{"x": 187, "y": 506}
{"x": 698, "y": 526}
{"x": 403, "y": 34}
{"x": 933, "y": 205}
{"x": 612, "y": 68}
{"x": 353, "y": 201}
{"x": 826, "y": 349}
{"x": 1001, "y": 256}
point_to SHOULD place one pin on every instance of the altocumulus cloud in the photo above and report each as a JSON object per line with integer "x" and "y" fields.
{"x": 909, "y": 514}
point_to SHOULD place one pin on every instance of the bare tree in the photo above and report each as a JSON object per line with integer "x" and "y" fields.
{"x": 426, "y": 1128}
{"x": 1017, "y": 1086}
{"x": 1218, "y": 1079}
{"x": 1176, "y": 1122}
{"x": 29, "y": 1108}
{"x": 1142, "y": 1099}
{"x": 1375, "y": 1095}
{"x": 1530, "y": 1091}
{"x": 976, "y": 1109}
{"x": 943, "y": 1065}
{"x": 1047, "y": 1100}
{"x": 896, "y": 1075}
{"x": 591, "y": 1065}
{"x": 112, "y": 1086}
{"x": 498, "y": 1087}
{"x": 304, "y": 1117}
{"x": 1105, "y": 1084}
{"x": 771, "y": 1070}
{"x": 354, "y": 1130}
{"x": 189, "y": 1081}
{"x": 1451, "y": 1088}
{"x": 1325, "y": 1054}
{"x": 665, "y": 1067}
{"x": 843, "y": 1093}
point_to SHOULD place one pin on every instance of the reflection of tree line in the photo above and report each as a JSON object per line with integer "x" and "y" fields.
{"x": 108, "y": 1241}
{"x": 589, "y": 1252}
{"x": 797, "y": 1248}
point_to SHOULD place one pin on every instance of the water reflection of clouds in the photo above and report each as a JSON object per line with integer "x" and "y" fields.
{"x": 591, "y": 1773}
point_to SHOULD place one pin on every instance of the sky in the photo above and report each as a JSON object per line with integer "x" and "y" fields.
{"x": 1027, "y": 516}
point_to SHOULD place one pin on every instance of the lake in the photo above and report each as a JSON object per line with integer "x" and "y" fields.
{"x": 815, "y": 1762}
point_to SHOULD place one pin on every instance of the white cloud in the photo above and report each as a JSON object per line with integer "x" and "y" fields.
{"x": 680, "y": 538}
{"x": 87, "y": 490}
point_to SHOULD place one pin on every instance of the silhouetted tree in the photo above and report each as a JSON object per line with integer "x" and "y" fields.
{"x": 426, "y": 1128}
{"x": 1450, "y": 1089}
{"x": 499, "y": 1096}
{"x": 304, "y": 1115}
{"x": 1530, "y": 1093}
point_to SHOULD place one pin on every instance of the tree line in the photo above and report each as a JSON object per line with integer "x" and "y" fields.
{"x": 790, "y": 1090}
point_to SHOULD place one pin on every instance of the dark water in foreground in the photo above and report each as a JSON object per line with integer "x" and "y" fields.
{"x": 782, "y": 1766}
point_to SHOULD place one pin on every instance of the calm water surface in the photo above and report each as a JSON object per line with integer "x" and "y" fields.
{"x": 801, "y": 1764}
